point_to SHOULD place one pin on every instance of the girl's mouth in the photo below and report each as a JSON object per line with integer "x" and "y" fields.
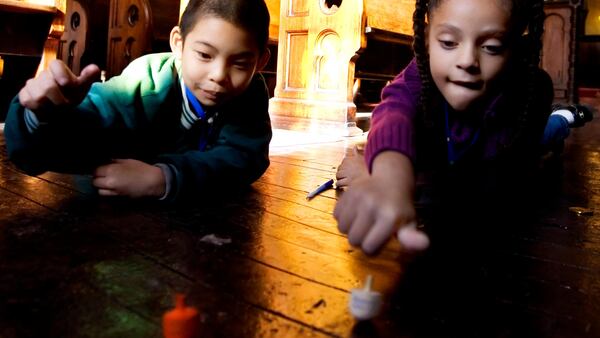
{"x": 473, "y": 85}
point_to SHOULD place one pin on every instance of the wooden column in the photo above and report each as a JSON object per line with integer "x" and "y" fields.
{"x": 559, "y": 48}
{"x": 318, "y": 41}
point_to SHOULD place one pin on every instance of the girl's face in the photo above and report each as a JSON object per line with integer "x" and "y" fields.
{"x": 218, "y": 59}
{"x": 467, "y": 48}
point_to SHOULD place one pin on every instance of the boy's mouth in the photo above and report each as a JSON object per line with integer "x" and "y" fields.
{"x": 211, "y": 94}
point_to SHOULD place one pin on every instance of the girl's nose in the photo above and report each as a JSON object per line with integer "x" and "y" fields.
{"x": 468, "y": 59}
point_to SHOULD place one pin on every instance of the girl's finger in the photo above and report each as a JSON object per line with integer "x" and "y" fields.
{"x": 360, "y": 227}
{"x": 344, "y": 213}
{"x": 379, "y": 234}
{"x": 341, "y": 182}
{"x": 412, "y": 239}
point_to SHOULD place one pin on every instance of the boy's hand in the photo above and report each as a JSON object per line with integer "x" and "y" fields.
{"x": 57, "y": 86}
{"x": 375, "y": 206}
{"x": 131, "y": 178}
{"x": 352, "y": 168}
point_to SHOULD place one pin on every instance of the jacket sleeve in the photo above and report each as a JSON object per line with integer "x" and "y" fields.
{"x": 63, "y": 144}
{"x": 239, "y": 156}
{"x": 392, "y": 125}
{"x": 79, "y": 139}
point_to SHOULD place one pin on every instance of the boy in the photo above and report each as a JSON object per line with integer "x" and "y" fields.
{"x": 172, "y": 125}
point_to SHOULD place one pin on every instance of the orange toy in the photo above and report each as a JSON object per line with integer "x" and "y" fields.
{"x": 182, "y": 321}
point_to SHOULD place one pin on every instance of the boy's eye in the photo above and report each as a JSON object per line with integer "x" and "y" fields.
{"x": 242, "y": 64}
{"x": 203, "y": 56}
{"x": 447, "y": 44}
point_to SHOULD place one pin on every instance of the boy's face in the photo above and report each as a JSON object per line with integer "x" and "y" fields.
{"x": 218, "y": 59}
{"x": 467, "y": 49}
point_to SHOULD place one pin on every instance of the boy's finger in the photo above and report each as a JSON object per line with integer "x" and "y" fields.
{"x": 55, "y": 96}
{"x": 62, "y": 74}
{"x": 101, "y": 171}
{"x": 100, "y": 182}
{"x": 107, "y": 192}
{"x": 88, "y": 75}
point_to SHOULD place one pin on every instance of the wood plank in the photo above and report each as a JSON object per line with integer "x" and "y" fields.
{"x": 111, "y": 266}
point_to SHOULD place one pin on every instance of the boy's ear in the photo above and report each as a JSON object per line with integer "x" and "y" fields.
{"x": 262, "y": 61}
{"x": 176, "y": 42}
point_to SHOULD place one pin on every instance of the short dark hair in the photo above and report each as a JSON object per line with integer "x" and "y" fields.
{"x": 250, "y": 15}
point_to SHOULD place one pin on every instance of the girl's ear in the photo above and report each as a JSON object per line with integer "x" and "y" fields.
{"x": 262, "y": 61}
{"x": 176, "y": 42}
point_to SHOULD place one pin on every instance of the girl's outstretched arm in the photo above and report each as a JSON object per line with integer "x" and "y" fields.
{"x": 376, "y": 206}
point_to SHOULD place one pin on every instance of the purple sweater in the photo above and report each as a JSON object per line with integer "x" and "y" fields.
{"x": 393, "y": 120}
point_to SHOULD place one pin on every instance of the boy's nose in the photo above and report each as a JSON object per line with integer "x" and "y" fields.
{"x": 218, "y": 72}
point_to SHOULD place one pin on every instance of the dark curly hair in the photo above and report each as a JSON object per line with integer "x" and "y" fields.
{"x": 526, "y": 29}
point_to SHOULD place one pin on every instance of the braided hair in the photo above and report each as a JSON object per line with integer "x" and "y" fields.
{"x": 527, "y": 16}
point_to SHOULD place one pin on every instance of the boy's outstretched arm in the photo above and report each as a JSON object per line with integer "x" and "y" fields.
{"x": 376, "y": 206}
{"x": 50, "y": 97}
{"x": 56, "y": 87}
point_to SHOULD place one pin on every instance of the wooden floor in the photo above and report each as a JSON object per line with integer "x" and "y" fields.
{"x": 76, "y": 265}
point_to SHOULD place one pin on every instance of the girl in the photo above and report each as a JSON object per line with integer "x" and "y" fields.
{"x": 472, "y": 102}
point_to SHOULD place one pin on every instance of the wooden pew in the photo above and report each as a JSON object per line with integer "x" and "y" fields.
{"x": 138, "y": 27}
{"x": 84, "y": 39}
{"x": 30, "y": 32}
{"x": 319, "y": 45}
{"x": 387, "y": 50}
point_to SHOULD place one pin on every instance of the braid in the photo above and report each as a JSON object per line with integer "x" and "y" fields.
{"x": 422, "y": 58}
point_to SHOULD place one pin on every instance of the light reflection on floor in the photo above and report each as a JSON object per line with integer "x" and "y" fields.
{"x": 287, "y": 141}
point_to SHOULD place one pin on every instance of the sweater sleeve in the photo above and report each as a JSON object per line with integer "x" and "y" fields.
{"x": 239, "y": 156}
{"x": 392, "y": 125}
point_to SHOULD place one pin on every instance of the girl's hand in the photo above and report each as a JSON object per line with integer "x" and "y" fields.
{"x": 131, "y": 178}
{"x": 56, "y": 86}
{"x": 377, "y": 206}
{"x": 352, "y": 168}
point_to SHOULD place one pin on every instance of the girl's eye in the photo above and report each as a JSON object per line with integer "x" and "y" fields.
{"x": 447, "y": 44}
{"x": 493, "y": 49}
